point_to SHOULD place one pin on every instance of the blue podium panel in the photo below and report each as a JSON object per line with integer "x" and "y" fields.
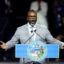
{"x": 21, "y": 51}
{"x": 53, "y": 51}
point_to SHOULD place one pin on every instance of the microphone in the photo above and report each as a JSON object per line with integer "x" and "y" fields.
{"x": 33, "y": 35}
{"x": 33, "y": 30}
{"x": 36, "y": 33}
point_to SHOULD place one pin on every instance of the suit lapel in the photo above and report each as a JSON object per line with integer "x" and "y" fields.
{"x": 26, "y": 33}
{"x": 37, "y": 31}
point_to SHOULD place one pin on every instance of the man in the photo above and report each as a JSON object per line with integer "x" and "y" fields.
{"x": 23, "y": 33}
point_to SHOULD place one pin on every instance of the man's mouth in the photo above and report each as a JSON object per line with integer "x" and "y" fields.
{"x": 33, "y": 22}
{"x": 32, "y": 25}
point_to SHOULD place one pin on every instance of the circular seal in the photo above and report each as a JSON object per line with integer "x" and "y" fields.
{"x": 37, "y": 51}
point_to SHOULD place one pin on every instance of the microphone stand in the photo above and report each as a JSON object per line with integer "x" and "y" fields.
{"x": 28, "y": 38}
{"x": 38, "y": 35}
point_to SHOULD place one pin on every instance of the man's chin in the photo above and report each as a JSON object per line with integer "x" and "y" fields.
{"x": 32, "y": 25}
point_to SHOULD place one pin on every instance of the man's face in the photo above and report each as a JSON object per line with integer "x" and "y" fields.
{"x": 32, "y": 18}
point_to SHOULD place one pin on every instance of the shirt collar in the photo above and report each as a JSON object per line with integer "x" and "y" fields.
{"x": 31, "y": 26}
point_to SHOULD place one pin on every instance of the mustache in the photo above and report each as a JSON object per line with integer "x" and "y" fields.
{"x": 32, "y": 21}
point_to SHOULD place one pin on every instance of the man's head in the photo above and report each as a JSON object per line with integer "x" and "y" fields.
{"x": 32, "y": 17}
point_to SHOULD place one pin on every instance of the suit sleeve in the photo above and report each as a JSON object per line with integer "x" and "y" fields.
{"x": 50, "y": 39}
{"x": 14, "y": 40}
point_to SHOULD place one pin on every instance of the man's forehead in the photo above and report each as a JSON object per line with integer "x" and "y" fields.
{"x": 32, "y": 14}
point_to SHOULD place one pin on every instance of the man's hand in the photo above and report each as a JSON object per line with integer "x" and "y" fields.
{"x": 59, "y": 37}
{"x": 3, "y": 45}
{"x": 63, "y": 44}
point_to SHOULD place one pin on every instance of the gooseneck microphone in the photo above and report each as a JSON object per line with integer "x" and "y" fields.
{"x": 33, "y": 35}
{"x": 33, "y": 31}
{"x": 29, "y": 37}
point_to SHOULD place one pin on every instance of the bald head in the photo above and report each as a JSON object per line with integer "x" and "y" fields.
{"x": 32, "y": 13}
{"x": 32, "y": 17}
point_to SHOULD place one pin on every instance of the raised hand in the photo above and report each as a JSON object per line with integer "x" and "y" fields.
{"x": 3, "y": 45}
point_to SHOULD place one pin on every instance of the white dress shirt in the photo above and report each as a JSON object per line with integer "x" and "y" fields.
{"x": 32, "y": 31}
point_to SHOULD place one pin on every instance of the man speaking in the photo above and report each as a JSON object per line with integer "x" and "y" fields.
{"x": 23, "y": 33}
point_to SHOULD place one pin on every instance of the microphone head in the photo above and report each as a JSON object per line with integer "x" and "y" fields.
{"x": 31, "y": 31}
{"x": 35, "y": 30}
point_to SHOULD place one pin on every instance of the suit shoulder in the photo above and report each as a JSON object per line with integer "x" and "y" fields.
{"x": 21, "y": 27}
{"x": 42, "y": 26}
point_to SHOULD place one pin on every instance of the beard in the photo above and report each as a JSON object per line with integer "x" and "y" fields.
{"x": 32, "y": 23}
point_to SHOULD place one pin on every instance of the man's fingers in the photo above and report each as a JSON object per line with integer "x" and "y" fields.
{"x": 1, "y": 42}
{"x": 0, "y": 46}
